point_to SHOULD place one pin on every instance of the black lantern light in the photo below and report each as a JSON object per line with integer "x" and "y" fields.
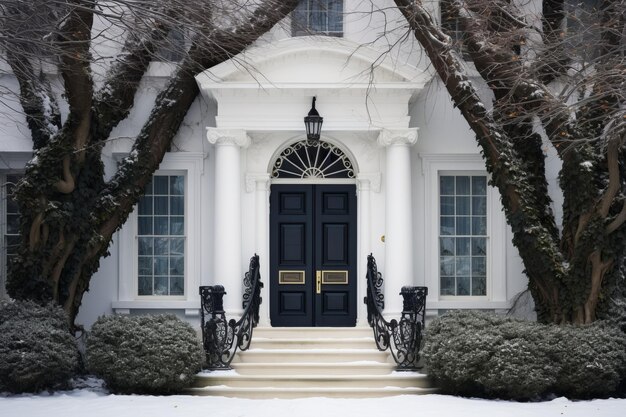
{"x": 313, "y": 123}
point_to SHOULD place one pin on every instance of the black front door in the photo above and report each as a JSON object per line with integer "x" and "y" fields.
{"x": 313, "y": 255}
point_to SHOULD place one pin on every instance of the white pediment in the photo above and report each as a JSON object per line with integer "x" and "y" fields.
{"x": 311, "y": 60}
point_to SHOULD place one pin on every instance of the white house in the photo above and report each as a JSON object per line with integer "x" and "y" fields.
{"x": 396, "y": 173}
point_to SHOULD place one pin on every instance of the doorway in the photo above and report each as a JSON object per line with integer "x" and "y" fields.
{"x": 313, "y": 255}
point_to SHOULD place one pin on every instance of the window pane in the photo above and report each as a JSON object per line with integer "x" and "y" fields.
{"x": 446, "y": 185}
{"x": 479, "y": 286}
{"x": 462, "y": 185}
{"x": 463, "y": 286}
{"x": 161, "y": 246}
{"x": 463, "y": 265}
{"x": 479, "y": 206}
{"x": 447, "y": 225}
{"x": 463, "y": 226}
{"x": 479, "y": 225}
{"x": 177, "y": 246}
{"x": 462, "y": 246}
{"x": 177, "y": 265}
{"x": 160, "y": 266}
{"x": 161, "y": 286}
{"x": 479, "y": 265}
{"x": 161, "y": 206}
{"x": 160, "y": 185}
{"x": 479, "y": 185}
{"x": 177, "y": 226}
{"x": 447, "y": 286}
{"x": 479, "y": 246}
{"x": 160, "y": 226}
{"x": 177, "y": 206}
{"x": 447, "y": 265}
{"x": 446, "y": 246}
{"x": 463, "y": 206}
{"x": 177, "y": 286}
{"x": 145, "y": 286}
{"x": 177, "y": 185}
{"x": 145, "y": 225}
{"x": 145, "y": 245}
{"x": 447, "y": 206}
{"x": 145, "y": 265}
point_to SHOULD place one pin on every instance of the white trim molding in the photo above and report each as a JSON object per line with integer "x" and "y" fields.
{"x": 432, "y": 166}
{"x": 191, "y": 164}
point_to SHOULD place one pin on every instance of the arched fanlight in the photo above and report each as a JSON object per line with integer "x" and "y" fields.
{"x": 313, "y": 123}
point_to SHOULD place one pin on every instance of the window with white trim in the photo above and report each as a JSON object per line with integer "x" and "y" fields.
{"x": 9, "y": 225}
{"x": 462, "y": 235}
{"x": 457, "y": 190}
{"x": 161, "y": 237}
{"x": 156, "y": 238}
{"x": 318, "y": 17}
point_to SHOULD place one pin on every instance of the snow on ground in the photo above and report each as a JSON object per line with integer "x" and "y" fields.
{"x": 95, "y": 402}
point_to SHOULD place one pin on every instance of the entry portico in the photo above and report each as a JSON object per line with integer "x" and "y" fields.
{"x": 260, "y": 106}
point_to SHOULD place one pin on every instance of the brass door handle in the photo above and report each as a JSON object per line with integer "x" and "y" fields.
{"x": 318, "y": 282}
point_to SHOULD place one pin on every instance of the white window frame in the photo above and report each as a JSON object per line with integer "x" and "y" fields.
{"x": 189, "y": 164}
{"x": 433, "y": 166}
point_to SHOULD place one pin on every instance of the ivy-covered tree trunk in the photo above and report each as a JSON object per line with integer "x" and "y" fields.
{"x": 575, "y": 272}
{"x": 69, "y": 212}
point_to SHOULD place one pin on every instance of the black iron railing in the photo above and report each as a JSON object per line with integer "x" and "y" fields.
{"x": 403, "y": 338}
{"x": 222, "y": 338}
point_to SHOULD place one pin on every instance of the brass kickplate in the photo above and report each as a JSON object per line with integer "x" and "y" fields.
{"x": 335, "y": 277}
{"x": 291, "y": 277}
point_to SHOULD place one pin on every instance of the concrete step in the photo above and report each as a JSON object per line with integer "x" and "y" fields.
{"x": 311, "y": 356}
{"x": 396, "y": 379}
{"x": 313, "y": 343}
{"x": 300, "y": 368}
{"x": 271, "y": 392}
{"x": 297, "y": 362}
{"x": 312, "y": 332}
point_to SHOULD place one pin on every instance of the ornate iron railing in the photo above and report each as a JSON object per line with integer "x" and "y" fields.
{"x": 222, "y": 338}
{"x": 403, "y": 338}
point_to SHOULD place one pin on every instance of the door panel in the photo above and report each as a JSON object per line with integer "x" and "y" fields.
{"x": 335, "y": 254}
{"x": 313, "y": 230}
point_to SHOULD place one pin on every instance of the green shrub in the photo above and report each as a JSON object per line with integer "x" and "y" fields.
{"x": 480, "y": 354}
{"x": 37, "y": 351}
{"x": 153, "y": 354}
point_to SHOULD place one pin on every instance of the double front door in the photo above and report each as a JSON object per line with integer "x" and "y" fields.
{"x": 313, "y": 255}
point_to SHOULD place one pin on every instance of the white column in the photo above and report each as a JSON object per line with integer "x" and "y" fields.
{"x": 227, "y": 259}
{"x": 260, "y": 185}
{"x": 365, "y": 246}
{"x": 399, "y": 254}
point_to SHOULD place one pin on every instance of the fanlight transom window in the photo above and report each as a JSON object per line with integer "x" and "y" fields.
{"x": 312, "y": 159}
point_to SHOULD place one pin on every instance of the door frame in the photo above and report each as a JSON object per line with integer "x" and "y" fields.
{"x": 360, "y": 317}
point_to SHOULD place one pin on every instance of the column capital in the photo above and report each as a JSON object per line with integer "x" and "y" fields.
{"x": 259, "y": 182}
{"x": 388, "y": 137}
{"x": 369, "y": 180}
{"x": 217, "y": 136}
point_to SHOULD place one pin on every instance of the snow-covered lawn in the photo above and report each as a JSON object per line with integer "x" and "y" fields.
{"x": 95, "y": 402}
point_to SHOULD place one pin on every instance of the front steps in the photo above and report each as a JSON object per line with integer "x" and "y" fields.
{"x": 293, "y": 362}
